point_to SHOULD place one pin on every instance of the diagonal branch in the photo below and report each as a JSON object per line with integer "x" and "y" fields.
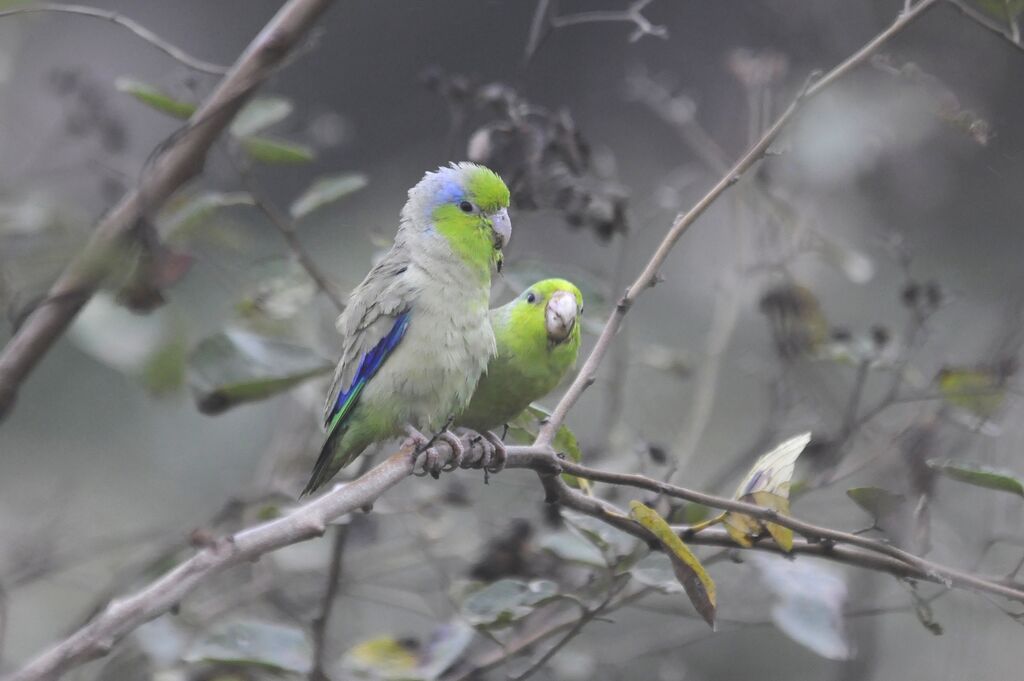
{"x": 135, "y": 27}
{"x": 649, "y": 276}
{"x": 549, "y": 468}
{"x": 310, "y": 520}
{"x": 124, "y": 615}
{"x": 286, "y": 227}
{"x": 586, "y": 617}
{"x": 522, "y": 643}
{"x": 177, "y": 162}
{"x": 1010, "y": 34}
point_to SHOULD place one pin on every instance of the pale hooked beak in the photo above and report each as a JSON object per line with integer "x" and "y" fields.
{"x": 560, "y": 316}
{"x": 502, "y": 226}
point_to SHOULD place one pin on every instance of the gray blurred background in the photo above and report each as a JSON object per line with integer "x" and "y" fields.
{"x": 88, "y": 459}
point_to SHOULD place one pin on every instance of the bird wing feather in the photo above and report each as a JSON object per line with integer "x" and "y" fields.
{"x": 373, "y": 322}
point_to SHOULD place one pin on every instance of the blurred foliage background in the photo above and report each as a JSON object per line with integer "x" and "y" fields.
{"x": 880, "y": 238}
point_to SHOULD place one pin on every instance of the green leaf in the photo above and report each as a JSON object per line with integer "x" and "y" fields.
{"x": 281, "y": 292}
{"x": 695, "y": 513}
{"x": 1002, "y": 9}
{"x": 277, "y": 152}
{"x": 505, "y": 601}
{"x": 880, "y": 503}
{"x": 656, "y": 570}
{"x": 383, "y": 657}
{"x": 185, "y": 218}
{"x": 154, "y": 98}
{"x": 612, "y": 542}
{"x": 979, "y": 476}
{"x": 524, "y": 428}
{"x": 981, "y": 392}
{"x": 259, "y": 114}
{"x": 327, "y": 190}
{"x": 573, "y": 548}
{"x": 163, "y": 373}
{"x": 688, "y": 569}
{"x": 446, "y": 645}
{"x": 247, "y": 641}
{"x": 233, "y": 367}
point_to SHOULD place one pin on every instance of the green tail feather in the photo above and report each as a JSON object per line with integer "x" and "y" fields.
{"x": 325, "y": 467}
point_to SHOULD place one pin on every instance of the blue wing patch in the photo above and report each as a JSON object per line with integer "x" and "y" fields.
{"x": 368, "y": 366}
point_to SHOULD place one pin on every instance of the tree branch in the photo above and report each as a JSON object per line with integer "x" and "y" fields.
{"x": 634, "y": 14}
{"x": 286, "y": 226}
{"x": 135, "y": 27}
{"x": 123, "y": 615}
{"x": 175, "y": 164}
{"x": 586, "y": 617}
{"x": 323, "y": 620}
{"x": 648, "y": 277}
{"x": 526, "y": 640}
{"x": 550, "y": 467}
{"x": 1010, "y": 34}
{"x": 544, "y": 18}
{"x": 181, "y": 160}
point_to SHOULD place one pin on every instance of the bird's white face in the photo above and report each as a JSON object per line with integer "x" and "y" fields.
{"x": 560, "y": 315}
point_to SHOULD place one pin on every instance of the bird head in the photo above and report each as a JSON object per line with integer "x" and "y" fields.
{"x": 466, "y": 205}
{"x": 556, "y": 304}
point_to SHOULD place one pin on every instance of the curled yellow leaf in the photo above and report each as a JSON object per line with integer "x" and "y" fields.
{"x": 696, "y": 581}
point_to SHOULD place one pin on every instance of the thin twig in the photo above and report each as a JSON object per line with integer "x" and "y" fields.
{"x": 632, "y": 14}
{"x": 123, "y": 615}
{"x": 286, "y": 226}
{"x": 853, "y": 405}
{"x": 536, "y": 458}
{"x": 586, "y": 617}
{"x": 322, "y": 623}
{"x": 544, "y": 18}
{"x": 1010, "y": 34}
{"x": 4, "y": 610}
{"x": 173, "y": 163}
{"x": 528, "y": 639}
{"x": 648, "y": 277}
{"x": 135, "y": 27}
{"x": 540, "y": 21}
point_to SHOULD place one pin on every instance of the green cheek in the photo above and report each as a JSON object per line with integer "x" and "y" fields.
{"x": 468, "y": 236}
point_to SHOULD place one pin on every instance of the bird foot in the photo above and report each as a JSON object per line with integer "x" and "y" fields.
{"x": 433, "y": 461}
{"x": 458, "y": 450}
{"x": 486, "y": 451}
{"x": 499, "y": 456}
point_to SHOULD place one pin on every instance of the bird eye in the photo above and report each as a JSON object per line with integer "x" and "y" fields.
{"x": 531, "y": 298}
{"x": 466, "y": 207}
